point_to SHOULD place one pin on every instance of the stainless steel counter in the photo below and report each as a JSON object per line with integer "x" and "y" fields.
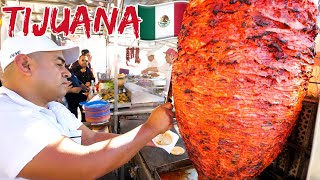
{"x": 133, "y": 110}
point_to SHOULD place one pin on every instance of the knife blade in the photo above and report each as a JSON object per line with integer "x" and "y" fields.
{"x": 168, "y": 98}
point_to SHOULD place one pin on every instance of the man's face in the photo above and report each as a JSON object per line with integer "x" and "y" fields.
{"x": 169, "y": 58}
{"x": 49, "y": 75}
{"x": 151, "y": 58}
{"x": 83, "y": 61}
{"x": 89, "y": 57}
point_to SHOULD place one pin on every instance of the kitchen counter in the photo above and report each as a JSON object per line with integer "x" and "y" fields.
{"x": 133, "y": 110}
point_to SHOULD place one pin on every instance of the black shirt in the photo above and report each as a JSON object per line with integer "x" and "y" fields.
{"x": 84, "y": 77}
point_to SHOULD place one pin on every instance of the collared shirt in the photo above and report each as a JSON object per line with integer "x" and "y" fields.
{"x": 27, "y": 128}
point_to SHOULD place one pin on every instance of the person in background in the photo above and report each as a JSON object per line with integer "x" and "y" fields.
{"x": 170, "y": 55}
{"x": 153, "y": 63}
{"x": 37, "y": 133}
{"x": 83, "y": 73}
{"x": 75, "y": 95}
{"x": 166, "y": 68}
{"x": 84, "y": 52}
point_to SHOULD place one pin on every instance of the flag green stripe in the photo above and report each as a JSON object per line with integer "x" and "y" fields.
{"x": 147, "y": 26}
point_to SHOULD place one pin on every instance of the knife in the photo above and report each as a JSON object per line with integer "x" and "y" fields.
{"x": 168, "y": 98}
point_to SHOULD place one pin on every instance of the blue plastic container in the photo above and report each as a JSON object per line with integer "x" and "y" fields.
{"x": 97, "y": 111}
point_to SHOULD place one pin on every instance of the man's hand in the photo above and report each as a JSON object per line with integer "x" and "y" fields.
{"x": 75, "y": 90}
{"x": 151, "y": 144}
{"x": 84, "y": 87}
{"x": 144, "y": 71}
{"x": 161, "y": 118}
{"x": 69, "y": 86}
{"x": 72, "y": 89}
{"x": 154, "y": 74}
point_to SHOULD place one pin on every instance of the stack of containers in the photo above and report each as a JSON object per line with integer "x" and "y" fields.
{"x": 97, "y": 111}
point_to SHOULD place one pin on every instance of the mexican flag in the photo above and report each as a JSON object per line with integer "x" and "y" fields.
{"x": 161, "y": 20}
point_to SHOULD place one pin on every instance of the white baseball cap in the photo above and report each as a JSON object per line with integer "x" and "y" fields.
{"x": 149, "y": 53}
{"x": 20, "y": 44}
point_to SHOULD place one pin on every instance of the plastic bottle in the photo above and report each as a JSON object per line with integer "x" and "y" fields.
{"x": 90, "y": 95}
{"x": 91, "y": 90}
{"x": 93, "y": 87}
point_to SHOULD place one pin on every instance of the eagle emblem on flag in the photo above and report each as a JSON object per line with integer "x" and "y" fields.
{"x": 164, "y": 21}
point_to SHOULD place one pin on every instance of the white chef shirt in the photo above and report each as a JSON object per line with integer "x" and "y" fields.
{"x": 27, "y": 128}
{"x": 153, "y": 63}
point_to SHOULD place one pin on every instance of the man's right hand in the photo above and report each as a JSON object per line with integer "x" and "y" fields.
{"x": 161, "y": 118}
{"x": 75, "y": 90}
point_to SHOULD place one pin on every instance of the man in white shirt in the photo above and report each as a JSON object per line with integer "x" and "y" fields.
{"x": 152, "y": 61}
{"x": 166, "y": 68}
{"x": 152, "y": 64}
{"x": 38, "y": 134}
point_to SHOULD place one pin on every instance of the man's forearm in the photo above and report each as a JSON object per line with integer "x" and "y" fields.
{"x": 154, "y": 69}
{"x": 104, "y": 136}
{"x": 100, "y": 136}
{"x": 121, "y": 148}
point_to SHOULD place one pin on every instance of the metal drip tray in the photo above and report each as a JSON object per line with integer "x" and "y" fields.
{"x": 179, "y": 170}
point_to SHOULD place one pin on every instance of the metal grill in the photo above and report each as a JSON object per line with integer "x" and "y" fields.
{"x": 293, "y": 161}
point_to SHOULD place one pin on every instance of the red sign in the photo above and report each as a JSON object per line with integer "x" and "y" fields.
{"x": 80, "y": 18}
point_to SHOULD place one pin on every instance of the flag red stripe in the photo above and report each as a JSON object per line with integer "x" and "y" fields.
{"x": 179, "y": 8}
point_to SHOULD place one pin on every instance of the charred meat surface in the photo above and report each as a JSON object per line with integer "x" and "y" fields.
{"x": 242, "y": 71}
